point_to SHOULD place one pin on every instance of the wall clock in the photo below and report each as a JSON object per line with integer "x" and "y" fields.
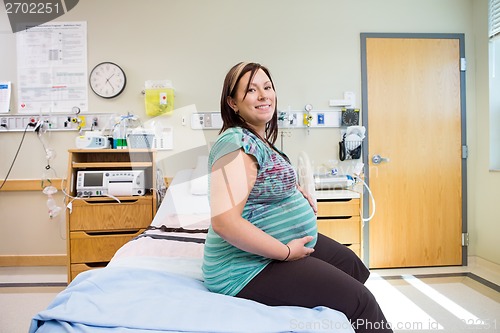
{"x": 350, "y": 117}
{"x": 107, "y": 80}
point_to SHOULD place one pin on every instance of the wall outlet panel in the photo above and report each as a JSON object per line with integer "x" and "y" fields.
{"x": 206, "y": 120}
{"x": 287, "y": 119}
{"x": 295, "y": 119}
{"x": 55, "y": 122}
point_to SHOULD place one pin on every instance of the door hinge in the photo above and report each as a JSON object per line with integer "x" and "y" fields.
{"x": 463, "y": 64}
{"x": 465, "y": 152}
{"x": 465, "y": 239}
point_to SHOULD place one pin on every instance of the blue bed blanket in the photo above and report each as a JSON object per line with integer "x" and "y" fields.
{"x": 126, "y": 299}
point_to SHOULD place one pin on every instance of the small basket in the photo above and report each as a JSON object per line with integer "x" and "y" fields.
{"x": 353, "y": 149}
{"x": 140, "y": 140}
{"x": 349, "y": 150}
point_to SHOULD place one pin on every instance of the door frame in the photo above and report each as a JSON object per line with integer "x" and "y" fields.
{"x": 365, "y": 122}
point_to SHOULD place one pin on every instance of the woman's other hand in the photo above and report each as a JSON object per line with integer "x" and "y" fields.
{"x": 298, "y": 249}
{"x": 309, "y": 199}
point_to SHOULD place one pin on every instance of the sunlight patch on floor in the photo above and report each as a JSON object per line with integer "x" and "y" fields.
{"x": 442, "y": 300}
{"x": 400, "y": 311}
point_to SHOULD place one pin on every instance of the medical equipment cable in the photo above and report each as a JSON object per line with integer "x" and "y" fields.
{"x": 371, "y": 196}
{"x": 70, "y": 204}
{"x": 112, "y": 197}
{"x": 15, "y": 157}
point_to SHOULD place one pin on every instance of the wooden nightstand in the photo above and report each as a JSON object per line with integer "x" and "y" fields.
{"x": 339, "y": 217}
{"x": 98, "y": 226}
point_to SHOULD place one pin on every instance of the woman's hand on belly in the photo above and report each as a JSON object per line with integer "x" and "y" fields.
{"x": 298, "y": 248}
{"x": 309, "y": 199}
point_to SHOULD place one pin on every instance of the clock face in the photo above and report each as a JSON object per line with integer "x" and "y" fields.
{"x": 107, "y": 80}
{"x": 350, "y": 117}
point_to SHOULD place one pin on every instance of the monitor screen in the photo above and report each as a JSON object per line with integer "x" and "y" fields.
{"x": 93, "y": 179}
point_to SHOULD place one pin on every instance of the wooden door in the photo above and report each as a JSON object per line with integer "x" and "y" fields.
{"x": 413, "y": 116}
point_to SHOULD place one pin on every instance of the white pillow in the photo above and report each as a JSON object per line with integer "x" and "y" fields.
{"x": 180, "y": 208}
{"x": 199, "y": 177}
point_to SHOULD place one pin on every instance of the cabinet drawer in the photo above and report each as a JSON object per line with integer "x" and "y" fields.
{"x": 111, "y": 215}
{"x": 79, "y": 268}
{"x": 338, "y": 208}
{"x": 344, "y": 231}
{"x": 90, "y": 248}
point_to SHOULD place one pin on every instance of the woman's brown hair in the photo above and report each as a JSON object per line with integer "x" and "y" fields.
{"x": 233, "y": 119}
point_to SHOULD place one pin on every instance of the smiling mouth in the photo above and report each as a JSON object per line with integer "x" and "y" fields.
{"x": 266, "y": 106}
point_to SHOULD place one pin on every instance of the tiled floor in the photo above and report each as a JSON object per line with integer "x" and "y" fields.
{"x": 443, "y": 299}
{"x": 448, "y": 303}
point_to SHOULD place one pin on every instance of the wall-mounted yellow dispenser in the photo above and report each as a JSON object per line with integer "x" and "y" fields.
{"x": 158, "y": 97}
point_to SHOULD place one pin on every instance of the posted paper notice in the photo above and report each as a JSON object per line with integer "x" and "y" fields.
{"x": 52, "y": 68}
{"x": 5, "y": 92}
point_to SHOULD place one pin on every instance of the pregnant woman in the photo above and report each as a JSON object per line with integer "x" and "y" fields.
{"x": 263, "y": 242}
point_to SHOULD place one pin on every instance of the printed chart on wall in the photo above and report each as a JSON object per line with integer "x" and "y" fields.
{"x": 5, "y": 91}
{"x": 52, "y": 68}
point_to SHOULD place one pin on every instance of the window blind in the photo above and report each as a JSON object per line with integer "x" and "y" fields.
{"x": 494, "y": 18}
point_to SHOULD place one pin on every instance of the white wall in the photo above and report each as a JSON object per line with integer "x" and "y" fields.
{"x": 484, "y": 185}
{"x": 494, "y": 76}
{"x": 311, "y": 47}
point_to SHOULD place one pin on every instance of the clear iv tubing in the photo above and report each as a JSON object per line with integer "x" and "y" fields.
{"x": 371, "y": 196}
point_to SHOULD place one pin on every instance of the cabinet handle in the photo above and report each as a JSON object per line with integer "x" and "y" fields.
{"x": 112, "y": 233}
{"x": 96, "y": 264}
{"x": 334, "y": 217}
{"x": 112, "y": 201}
{"x": 335, "y": 200}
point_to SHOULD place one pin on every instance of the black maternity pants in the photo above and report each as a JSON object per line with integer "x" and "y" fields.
{"x": 332, "y": 276}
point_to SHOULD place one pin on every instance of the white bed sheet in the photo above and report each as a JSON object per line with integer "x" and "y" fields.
{"x": 150, "y": 299}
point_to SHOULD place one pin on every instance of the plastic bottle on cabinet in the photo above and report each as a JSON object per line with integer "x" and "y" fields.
{"x": 119, "y": 136}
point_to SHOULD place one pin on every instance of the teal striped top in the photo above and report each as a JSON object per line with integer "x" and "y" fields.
{"x": 274, "y": 205}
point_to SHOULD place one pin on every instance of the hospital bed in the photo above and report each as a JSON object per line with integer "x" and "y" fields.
{"x": 154, "y": 283}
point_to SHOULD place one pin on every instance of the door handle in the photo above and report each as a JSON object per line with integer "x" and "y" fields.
{"x": 377, "y": 159}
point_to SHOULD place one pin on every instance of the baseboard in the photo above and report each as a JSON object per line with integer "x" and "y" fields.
{"x": 33, "y": 260}
{"x": 485, "y": 269}
{"x": 480, "y": 262}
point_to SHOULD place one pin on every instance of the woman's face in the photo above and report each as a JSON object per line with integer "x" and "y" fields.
{"x": 257, "y": 107}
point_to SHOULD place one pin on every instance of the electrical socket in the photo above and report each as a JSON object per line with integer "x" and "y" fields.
{"x": 207, "y": 120}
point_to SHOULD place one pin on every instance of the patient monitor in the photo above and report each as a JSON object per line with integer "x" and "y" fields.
{"x": 92, "y": 183}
